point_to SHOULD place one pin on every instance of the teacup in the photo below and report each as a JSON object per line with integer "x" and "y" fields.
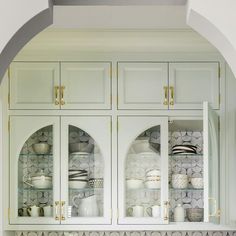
{"x": 136, "y": 211}
{"x": 23, "y": 211}
{"x": 34, "y": 211}
{"x": 47, "y": 211}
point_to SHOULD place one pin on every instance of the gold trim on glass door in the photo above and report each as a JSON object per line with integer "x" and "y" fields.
{"x": 57, "y": 214}
{"x": 63, "y": 203}
{"x": 171, "y": 95}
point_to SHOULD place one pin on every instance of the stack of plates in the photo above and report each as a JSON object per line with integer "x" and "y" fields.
{"x": 184, "y": 149}
{"x": 78, "y": 178}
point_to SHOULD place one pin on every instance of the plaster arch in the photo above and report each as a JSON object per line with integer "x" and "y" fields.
{"x": 30, "y": 18}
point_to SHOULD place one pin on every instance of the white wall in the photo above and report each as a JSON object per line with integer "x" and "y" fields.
{"x": 216, "y": 21}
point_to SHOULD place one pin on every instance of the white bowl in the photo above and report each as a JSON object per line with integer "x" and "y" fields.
{"x": 142, "y": 146}
{"x": 77, "y": 184}
{"x": 153, "y": 172}
{"x": 152, "y": 184}
{"x": 197, "y": 182}
{"x": 41, "y": 182}
{"x": 179, "y": 181}
{"x": 41, "y": 148}
{"x": 153, "y": 177}
{"x": 134, "y": 183}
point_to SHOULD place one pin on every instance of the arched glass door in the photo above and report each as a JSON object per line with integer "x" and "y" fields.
{"x": 34, "y": 170}
{"x": 143, "y": 168}
{"x": 86, "y": 167}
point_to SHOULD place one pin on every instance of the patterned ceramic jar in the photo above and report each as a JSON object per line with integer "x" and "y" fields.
{"x": 179, "y": 181}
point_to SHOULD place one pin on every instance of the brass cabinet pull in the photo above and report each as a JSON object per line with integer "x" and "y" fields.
{"x": 63, "y": 203}
{"x": 57, "y": 210}
{"x": 171, "y": 95}
{"x": 56, "y": 91}
{"x": 211, "y": 199}
{"x": 62, "y": 95}
{"x": 166, "y": 210}
{"x": 166, "y": 96}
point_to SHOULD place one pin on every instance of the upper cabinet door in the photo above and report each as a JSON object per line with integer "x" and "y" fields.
{"x": 143, "y": 170}
{"x": 33, "y": 85}
{"x": 211, "y": 165}
{"x": 86, "y": 85}
{"x": 35, "y": 170}
{"x": 86, "y": 170}
{"x": 142, "y": 85}
{"x": 190, "y": 84}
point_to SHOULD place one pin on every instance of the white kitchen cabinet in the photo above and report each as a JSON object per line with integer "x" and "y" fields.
{"x": 153, "y": 85}
{"x": 33, "y": 85}
{"x": 146, "y": 145}
{"x": 192, "y": 83}
{"x": 142, "y": 85}
{"x": 78, "y": 85}
{"x": 86, "y": 85}
{"x": 71, "y": 178}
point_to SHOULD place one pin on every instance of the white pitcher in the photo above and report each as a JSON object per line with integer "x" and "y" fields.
{"x": 154, "y": 211}
{"x": 87, "y": 207}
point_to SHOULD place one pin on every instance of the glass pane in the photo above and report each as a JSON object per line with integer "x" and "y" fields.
{"x": 186, "y": 171}
{"x": 35, "y": 175}
{"x": 143, "y": 175}
{"x": 85, "y": 175}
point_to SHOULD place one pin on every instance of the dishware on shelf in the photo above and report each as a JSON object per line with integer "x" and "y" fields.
{"x": 87, "y": 207}
{"x": 134, "y": 183}
{"x": 34, "y": 211}
{"x": 195, "y": 214}
{"x": 197, "y": 182}
{"x": 153, "y": 172}
{"x": 95, "y": 182}
{"x": 140, "y": 146}
{"x": 136, "y": 211}
{"x": 179, "y": 213}
{"x": 78, "y": 184}
{"x": 179, "y": 181}
{"x": 184, "y": 149}
{"x": 47, "y": 211}
{"x": 41, "y": 148}
{"x": 81, "y": 147}
{"x": 154, "y": 211}
{"x": 153, "y": 184}
{"x": 23, "y": 211}
{"x": 40, "y": 180}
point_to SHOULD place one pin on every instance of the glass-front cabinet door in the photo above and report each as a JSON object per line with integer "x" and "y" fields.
{"x": 143, "y": 170}
{"x": 34, "y": 170}
{"x": 86, "y": 170}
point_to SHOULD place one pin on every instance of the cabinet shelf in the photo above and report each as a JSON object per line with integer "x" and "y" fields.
{"x": 35, "y": 189}
{"x": 86, "y": 189}
{"x": 145, "y": 189}
{"x": 35, "y": 154}
{"x": 186, "y": 189}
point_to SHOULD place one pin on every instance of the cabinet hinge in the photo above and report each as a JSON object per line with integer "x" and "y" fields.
{"x": 9, "y": 124}
{"x": 9, "y": 73}
{"x": 218, "y": 213}
{"x": 8, "y": 214}
{"x": 8, "y": 99}
{"x": 219, "y": 72}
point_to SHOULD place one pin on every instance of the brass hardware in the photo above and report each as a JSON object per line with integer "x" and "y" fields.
{"x": 56, "y": 210}
{"x": 166, "y": 95}
{"x": 166, "y": 207}
{"x": 8, "y": 213}
{"x": 171, "y": 95}
{"x": 214, "y": 214}
{"x": 62, "y": 95}
{"x": 8, "y": 124}
{"x": 8, "y": 73}
{"x": 56, "y": 91}
{"x": 63, "y": 203}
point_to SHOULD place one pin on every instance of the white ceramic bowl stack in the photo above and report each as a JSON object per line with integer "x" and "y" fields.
{"x": 134, "y": 183}
{"x": 153, "y": 179}
{"x": 78, "y": 179}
